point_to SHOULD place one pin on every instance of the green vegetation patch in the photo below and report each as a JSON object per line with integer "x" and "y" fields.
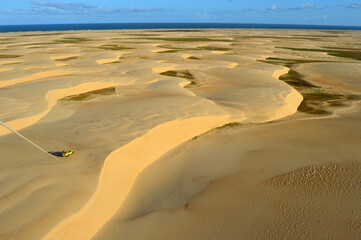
{"x": 194, "y": 58}
{"x": 167, "y": 46}
{"x": 25, "y": 44}
{"x": 342, "y": 48}
{"x": 67, "y": 59}
{"x": 169, "y": 51}
{"x": 231, "y": 125}
{"x": 192, "y": 84}
{"x": 113, "y": 47}
{"x": 179, "y": 30}
{"x": 72, "y": 40}
{"x": 352, "y": 54}
{"x": 11, "y": 63}
{"x": 187, "y": 39}
{"x": 316, "y": 36}
{"x": 142, "y": 34}
{"x": 32, "y": 47}
{"x": 180, "y": 73}
{"x": 277, "y": 37}
{"x": 212, "y": 48}
{"x": 41, "y": 34}
{"x": 183, "y": 74}
{"x": 346, "y": 54}
{"x": 303, "y": 49}
{"x": 317, "y": 102}
{"x": 309, "y": 109}
{"x": 90, "y": 95}
{"x": 9, "y": 56}
{"x": 296, "y": 80}
{"x": 6, "y": 40}
{"x": 173, "y": 49}
{"x": 322, "y": 96}
{"x": 289, "y": 61}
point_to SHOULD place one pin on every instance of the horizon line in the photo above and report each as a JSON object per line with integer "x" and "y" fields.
{"x": 94, "y": 23}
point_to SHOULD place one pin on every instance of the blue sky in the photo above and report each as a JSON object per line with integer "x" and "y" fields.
{"x": 319, "y": 12}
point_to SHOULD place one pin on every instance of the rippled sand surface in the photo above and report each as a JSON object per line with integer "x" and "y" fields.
{"x": 202, "y": 134}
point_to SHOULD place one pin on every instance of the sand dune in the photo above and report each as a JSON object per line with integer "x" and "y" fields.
{"x": 36, "y": 76}
{"x": 107, "y": 60}
{"x": 212, "y": 188}
{"x": 52, "y": 97}
{"x": 121, "y": 169}
{"x": 331, "y": 73}
{"x": 5, "y": 69}
{"x": 202, "y": 141}
{"x": 123, "y": 166}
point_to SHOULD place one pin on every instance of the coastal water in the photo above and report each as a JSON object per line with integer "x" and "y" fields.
{"x": 109, "y": 26}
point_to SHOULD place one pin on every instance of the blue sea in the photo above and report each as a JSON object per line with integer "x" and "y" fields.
{"x": 109, "y": 26}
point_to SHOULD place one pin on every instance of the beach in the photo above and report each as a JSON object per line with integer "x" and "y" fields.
{"x": 181, "y": 134}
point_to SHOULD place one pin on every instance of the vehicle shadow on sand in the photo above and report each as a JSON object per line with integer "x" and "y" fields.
{"x": 57, "y": 154}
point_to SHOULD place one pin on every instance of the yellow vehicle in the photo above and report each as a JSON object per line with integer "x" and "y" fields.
{"x": 67, "y": 153}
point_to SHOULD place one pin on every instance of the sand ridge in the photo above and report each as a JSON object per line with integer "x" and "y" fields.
{"x": 121, "y": 168}
{"x": 52, "y": 98}
{"x": 36, "y": 76}
{"x": 272, "y": 165}
{"x": 124, "y": 164}
{"x": 131, "y": 113}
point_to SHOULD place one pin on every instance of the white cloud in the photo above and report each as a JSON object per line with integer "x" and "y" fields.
{"x": 306, "y": 6}
{"x": 42, "y": 7}
{"x": 273, "y": 8}
{"x": 354, "y": 6}
{"x": 64, "y": 6}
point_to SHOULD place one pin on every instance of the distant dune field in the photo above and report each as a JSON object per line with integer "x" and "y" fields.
{"x": 205, "y": 134}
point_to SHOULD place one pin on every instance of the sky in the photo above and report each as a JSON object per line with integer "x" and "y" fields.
{"x": 316, "y": 12}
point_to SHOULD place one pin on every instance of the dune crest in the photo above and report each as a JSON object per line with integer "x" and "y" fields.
{"x": 142, "y": 130}
{"x": 122, "y": 167}
{"x": 52, "y": 97}
{"x": 35, "y": 76}
{"x": 276, "y": 74}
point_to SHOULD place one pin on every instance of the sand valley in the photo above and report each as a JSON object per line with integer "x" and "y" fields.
{"x": 181, "y": 134}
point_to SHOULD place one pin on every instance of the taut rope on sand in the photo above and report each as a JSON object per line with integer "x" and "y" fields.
{"x": 2, "y": 123}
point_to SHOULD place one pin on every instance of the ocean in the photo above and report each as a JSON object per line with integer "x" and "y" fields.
{"x": 110, "y": 26}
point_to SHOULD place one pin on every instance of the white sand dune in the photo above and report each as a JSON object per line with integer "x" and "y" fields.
{"x": 107, "y": 60}
{"x": 147, "y": 154}
{"x": 9, "y": 62}
{"x": 62, "y": 57}
{"x": 123, "y": 166}
{"x": 276, "y": 74}
{"x": 39, "y": 68}
{"x": 266, "y": 181}
{"x": 121, "y": 169}
{"x": 5, "y": 69}
{"x": 331, "y": 73}
{"x": 35, "y": 76}
{"x": 52, "y": 97}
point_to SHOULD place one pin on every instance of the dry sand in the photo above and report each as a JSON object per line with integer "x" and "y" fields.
{"x": 144, "y": 114}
